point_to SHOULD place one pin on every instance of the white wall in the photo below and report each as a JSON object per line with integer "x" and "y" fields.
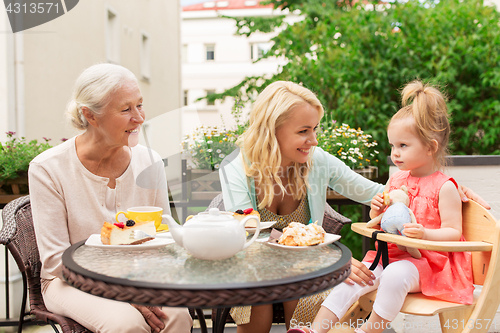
{"x": 55, "y": 53}
{"x": 7, "y": 112}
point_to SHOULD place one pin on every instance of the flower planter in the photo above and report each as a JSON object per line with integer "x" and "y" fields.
{"x": 13, "y": 188}
{"x": 370, "y": 172}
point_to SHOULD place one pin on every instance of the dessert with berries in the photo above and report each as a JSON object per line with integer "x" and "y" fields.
{"x": 298, "y": 234}
{"x": 121, "y": 233}
{"x": 241, "y": 214}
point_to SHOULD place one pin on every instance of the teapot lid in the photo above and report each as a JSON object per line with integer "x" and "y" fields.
{"x": 215, "y": 215}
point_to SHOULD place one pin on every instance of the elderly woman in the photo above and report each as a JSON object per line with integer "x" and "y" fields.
{"x": 81, "y": 183}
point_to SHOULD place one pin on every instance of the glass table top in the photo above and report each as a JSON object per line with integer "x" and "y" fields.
{"x": 172, "y": 265}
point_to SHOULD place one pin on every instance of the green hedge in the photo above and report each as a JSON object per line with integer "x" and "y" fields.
{"x": 356, "y": 60}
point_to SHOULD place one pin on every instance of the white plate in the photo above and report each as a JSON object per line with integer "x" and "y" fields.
{"x": 329, "y": 239}
{"x": 263, "y": 225}
{"x": 95, "y": 241}
{"x": 164, "y": 235}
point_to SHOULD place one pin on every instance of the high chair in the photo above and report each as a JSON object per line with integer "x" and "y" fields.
{"x": 482, "y": 233}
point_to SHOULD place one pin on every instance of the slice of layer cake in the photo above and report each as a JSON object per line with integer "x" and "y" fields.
{"x": 241, "y": 214}
{"x": 122, "y": 233}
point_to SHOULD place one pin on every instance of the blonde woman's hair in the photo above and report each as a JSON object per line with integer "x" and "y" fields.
{"x": 92, "y": 90}
{"x": 272, "y": 109}
{"x": 427, "y": 106}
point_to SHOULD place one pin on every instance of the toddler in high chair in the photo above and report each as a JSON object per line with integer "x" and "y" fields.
{"x": 418, "y": 134}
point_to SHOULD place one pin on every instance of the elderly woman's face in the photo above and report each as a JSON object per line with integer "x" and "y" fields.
{"x": 297, "y": 135}
{"x": 121, "y": 120}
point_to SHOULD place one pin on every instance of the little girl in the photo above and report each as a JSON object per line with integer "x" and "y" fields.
{"x": 418, "y": 135}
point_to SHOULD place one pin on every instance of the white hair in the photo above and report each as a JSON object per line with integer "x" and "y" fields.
{"x": 92, "y": 90}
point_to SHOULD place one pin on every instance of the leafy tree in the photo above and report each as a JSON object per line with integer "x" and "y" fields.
{"x": 357, "y": 57}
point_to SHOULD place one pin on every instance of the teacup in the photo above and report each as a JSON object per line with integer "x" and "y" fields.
{"x": 143, "y": 214}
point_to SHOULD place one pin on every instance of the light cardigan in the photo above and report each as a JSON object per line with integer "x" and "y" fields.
{"x": 68, "y": 202}
{"x": 238, "y": 190}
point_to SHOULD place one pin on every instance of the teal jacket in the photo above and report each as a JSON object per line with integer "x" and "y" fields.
{"x": 238, "y": 190}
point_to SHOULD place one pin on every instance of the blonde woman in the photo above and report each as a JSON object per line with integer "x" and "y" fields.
{"x": 281, "y": 173}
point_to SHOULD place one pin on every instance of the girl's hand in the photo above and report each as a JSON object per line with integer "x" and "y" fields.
{"x": 414, "y": 230}
{"x": 377, "y": 204}
{"x": 360, "y": 274}
{"x": 466, "y": 194}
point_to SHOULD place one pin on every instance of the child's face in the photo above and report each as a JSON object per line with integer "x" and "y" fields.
{"x": 408, "y": 152}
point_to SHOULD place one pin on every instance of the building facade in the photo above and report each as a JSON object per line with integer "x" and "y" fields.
{"x": 38, "y": 66}
{"x": 215, "y": 59}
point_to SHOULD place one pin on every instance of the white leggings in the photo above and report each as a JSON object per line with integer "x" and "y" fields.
{"x": 393, "y": 283}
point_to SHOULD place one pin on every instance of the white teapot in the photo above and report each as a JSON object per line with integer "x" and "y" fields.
{"x": 212, "y": 235}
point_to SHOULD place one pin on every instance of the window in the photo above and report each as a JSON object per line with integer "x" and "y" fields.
{"x": 185, "y": 97}
{"x": 258, "y": 50}
{"x": 145, "y": 56}
{"x": 112, "y": 36}
{"x": 210, "y": 52}
{"x": 208, "y": 93}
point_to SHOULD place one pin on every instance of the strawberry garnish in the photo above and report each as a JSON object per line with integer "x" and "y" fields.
{"x": 120, "y": 225}
{"x": 248, "y": 211}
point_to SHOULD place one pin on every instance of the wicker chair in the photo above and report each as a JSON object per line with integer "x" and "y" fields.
{"x": 18, "y": 235}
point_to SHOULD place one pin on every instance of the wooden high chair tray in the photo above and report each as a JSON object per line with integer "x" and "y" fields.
{"x": 362, "y": 229}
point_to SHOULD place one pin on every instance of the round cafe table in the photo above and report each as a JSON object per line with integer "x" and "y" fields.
{"x": 169, "y": 276}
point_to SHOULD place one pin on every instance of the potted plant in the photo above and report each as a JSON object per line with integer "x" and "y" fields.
{"x": 15, "y": 156}
{"x": 354, "y": 147}
{"x": 205, "y": 148}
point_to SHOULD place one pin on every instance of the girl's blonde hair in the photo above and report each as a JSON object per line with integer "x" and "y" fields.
{"x": 92, "y": 90}
{"x": 427, "y": 106}
{"x": 272, "y": 109}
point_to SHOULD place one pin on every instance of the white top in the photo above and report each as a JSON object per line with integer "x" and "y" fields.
{"x": 111, "y": 200}
{"x": 69, "y": 202}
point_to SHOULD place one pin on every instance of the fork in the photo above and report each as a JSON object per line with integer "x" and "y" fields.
{"x": 139, "y": 234}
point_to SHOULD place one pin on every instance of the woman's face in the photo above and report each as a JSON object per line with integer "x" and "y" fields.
{"x": 121, "y": 120}
{"x": 297, "y": 135}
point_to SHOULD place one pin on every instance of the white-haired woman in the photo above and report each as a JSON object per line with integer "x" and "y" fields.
{"x": 282, "y": 174}
{"x": 79, "y": 184}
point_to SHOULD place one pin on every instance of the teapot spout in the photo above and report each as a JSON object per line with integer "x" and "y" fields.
{"x": 175, "y": 229}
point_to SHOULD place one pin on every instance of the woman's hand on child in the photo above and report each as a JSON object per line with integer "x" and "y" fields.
{"x": 360, "y": 274}
{"x": 466, "y": 194}
{"x": 414, "y": 230}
